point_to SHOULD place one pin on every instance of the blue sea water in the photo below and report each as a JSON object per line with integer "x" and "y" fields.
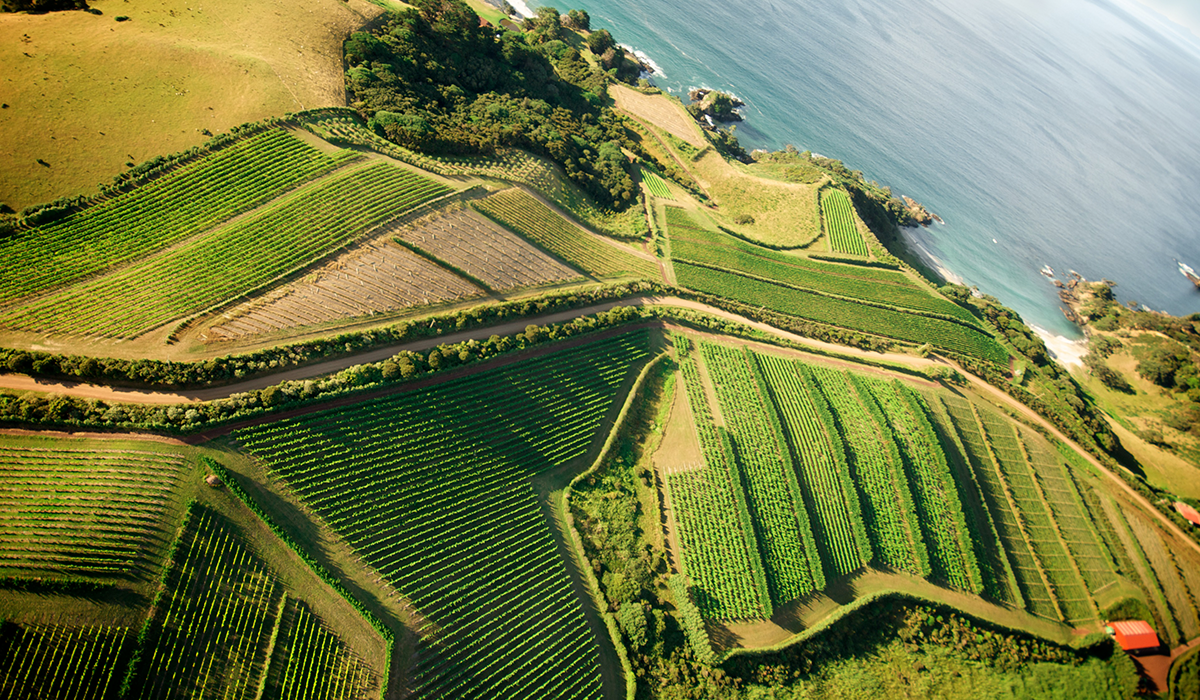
{"x": 1045, "y": 132}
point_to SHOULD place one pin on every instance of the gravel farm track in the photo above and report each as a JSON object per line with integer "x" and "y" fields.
{"x": 106, "y": 393}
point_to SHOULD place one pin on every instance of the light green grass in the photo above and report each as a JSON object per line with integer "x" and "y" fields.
{"x": 88, "y": 94}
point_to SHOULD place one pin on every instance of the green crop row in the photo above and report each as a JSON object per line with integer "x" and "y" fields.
{"x": 231, "y": 260}
{"x": 839, "y": 223}
{"x": 431, "y": 488}
{"x": 82, "y": 514}
{"x": 655, "y": 184}
{"x": 889, "y": 323}
{"x": 1030, "y": 585}
{"x": 535, "y": 222}
{"x": 169, "y": 209}
{"x": 892, "y": 289}
{"x": 780, "y": 520}
{"x": 52, "y": 661}
{"x": 887, "y": 501}
{"x": 720, "y": 554}
{"x": 820, "y": 461}
{"x": 936, "y": 497}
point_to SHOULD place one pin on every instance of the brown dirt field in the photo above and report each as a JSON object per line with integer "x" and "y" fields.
{"x": 86, "y": 94}
{"x": 660, "y": 111}
{"x": 375, "y": 276}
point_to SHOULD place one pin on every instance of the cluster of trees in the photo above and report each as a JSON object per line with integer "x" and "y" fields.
{"x": 436, "y": 80}
{"x": 41, "y": 5}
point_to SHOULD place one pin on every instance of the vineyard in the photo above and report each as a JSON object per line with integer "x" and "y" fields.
{"x": 430, "y": 487}
{"x": 469, "y": 242}
{"x": 691, "y": 243}
{"x": 547, "y": 230}
{"x": 820, "y": 456}
{"x": 373, "y": 277}
{"x": 889, "y": 323}
{"x": 811, "y": 473}
{"x": 218, "y": 620}
{"x": 52, "y": 662}
{"x": 656, "y": 185}
{"x": 84, "y": 514}
{"x": 790, "y": 557}
{"x": 888, "y": 509}
{"x": 231, "y": 260}
{"x": 839, "y": 223}
{"x": 189, "y": 200}
{"x": 720, "y": 553}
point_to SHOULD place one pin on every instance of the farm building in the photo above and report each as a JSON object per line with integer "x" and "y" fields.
{"x": 1188, "y": 512}
{"x": 1135, "y": 636}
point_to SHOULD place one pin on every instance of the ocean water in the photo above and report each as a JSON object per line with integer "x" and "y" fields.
{"x": 1045, "y": 132}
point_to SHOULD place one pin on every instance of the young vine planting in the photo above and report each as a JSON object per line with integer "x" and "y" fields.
{"x": 535, "y": 221}
{"x": 52, "y": 662}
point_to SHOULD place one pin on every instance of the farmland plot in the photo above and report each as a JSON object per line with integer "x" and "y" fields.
{"x": 720, "y": 552}
{"x": 83, "y": 513}
{"x": 777, "y": 509}
{"x": 188, "y": 201}
{"x": 484, "y": 250}
{"x": 1039, "y": 525}
{"x": 231, "y": 260}
{"x": 538, "y": 224}
{"x": 216, "y": 620}
{"x": 875, "y": 466}
{"x": 52, "y": 662}
{"x": 376, "y": 276}
{"x": 839, "y": 223}
{"x": 431, "y": 487}
{"x": 845, "y": 313}
{"x": 819, "y": 455}
{"x": 1031, "y": 582}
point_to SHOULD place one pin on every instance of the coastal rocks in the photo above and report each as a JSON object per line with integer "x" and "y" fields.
{"x": 919, "y": 213}
{"x": 711, "y": 105}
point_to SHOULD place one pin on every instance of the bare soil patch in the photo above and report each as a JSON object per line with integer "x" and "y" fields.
{"x": 660, "y": 111}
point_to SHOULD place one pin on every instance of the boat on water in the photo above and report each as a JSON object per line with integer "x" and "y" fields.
{"x": 1189, "y": 273}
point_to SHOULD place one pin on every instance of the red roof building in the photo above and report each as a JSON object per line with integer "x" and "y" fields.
{"x": 1135, "y": 635}
{"x": 1188, "y": 512}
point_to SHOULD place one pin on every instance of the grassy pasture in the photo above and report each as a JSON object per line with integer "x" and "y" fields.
{"x": 86, "y": 94}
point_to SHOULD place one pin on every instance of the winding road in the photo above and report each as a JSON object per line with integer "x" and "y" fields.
{"x": 109, "y": 393}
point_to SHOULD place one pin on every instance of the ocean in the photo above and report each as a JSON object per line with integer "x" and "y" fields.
{"x": 1044, "y": 132}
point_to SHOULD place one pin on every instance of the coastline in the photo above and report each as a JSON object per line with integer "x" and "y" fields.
{"x": 1067, "y": 352}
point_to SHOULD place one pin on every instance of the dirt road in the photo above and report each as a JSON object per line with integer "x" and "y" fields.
{"x": 107, "y": 393}
{"x": 146, "y": 396}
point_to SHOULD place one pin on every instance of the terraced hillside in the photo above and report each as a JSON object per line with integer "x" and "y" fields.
{"x": 828, "y": 471}
{"x": 430, "y": 487}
